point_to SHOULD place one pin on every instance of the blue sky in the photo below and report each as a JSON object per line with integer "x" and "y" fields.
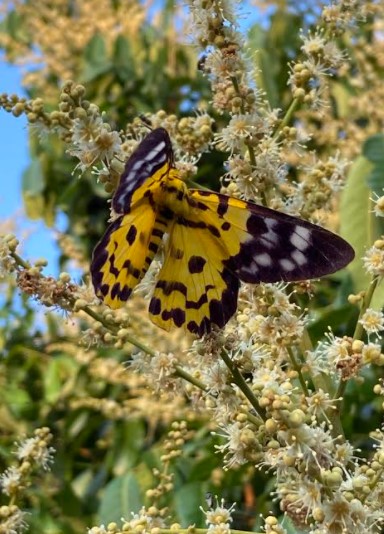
{"x": 14, "y": 157}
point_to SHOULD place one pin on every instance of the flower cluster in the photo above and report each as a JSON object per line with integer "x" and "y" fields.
{"x": 33, "y": 454}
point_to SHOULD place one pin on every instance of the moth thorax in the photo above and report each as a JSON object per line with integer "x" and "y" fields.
{"x": 175, "y": 197}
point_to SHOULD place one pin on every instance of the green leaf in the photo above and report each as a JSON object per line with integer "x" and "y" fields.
{"x": 57, "y": 377}
{"x": 341, "y": 95}
{"x": 357, "y": 224}
{"x": 96, "y": 61}
{"x": 123, "y": 60}
{"x": 120, "y": 498}
{"x": 33, "y": 178}
{"x": 373, "y": 148}
{"x": 336, "y": 318}
{"x": 265, "y": 75}
{"x": 32, "y": 190}
{"x": 127, "y": 446}
{"x": 188, "y": 499}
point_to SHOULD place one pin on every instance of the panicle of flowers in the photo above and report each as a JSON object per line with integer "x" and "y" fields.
{"x": 159, "y": 369}
{"x": 267, "y": 170}
{"x": 8, "y": 245}
{"x": 266, "y": 314}
{"x": 320, "y": 181}
{"x": 92, "y": 139}
{"x": 338, "y": 357}
{"x": 46, "y": 289}
{"x": 240, "y": 443}
{"x": 36, "y": 450}
{"x": 322, "y": 58}
{"x": 219, "y": 519}
{"x": 341, "y": 14}
{"x": 374, "y": 258}
{"x": 213, "y": 28}
{"x": 12, "y": 520}
{"x": 33, "y": 454}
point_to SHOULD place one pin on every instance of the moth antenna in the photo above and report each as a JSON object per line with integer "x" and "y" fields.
{"x": 146, "y": 121}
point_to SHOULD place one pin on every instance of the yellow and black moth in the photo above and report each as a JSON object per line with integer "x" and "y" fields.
{"x": 214, "y": 242}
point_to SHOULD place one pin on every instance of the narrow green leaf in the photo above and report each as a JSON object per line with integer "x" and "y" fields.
{"x": 188, "y": 499}
{"x": 120, "y": 498}
{"x": 95, "y": 51}
{"x": 96, "y": 61}
{"x": 33, "y": 178}
{"x": 373, "y": 148}
{"x": 357, "y": 223}
{"x": 122, "y": 59}
{"x": 341, "y": 95}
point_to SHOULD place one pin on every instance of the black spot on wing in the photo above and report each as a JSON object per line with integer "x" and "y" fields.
{"x": 122, "y": 293}
{"x": 256, "y": 225}
{"x": 196, "y": 264}
{"x": 222, "y": 208}
{"x": 177, "y": 315}
{"x": 104, "y": 289}
{"x": 198, "y": 303}
{"x": 169, "y": 287}
{"x": 176, "y": 253}
{"x": 131, "y": 235}
{"x": 155, "y": 306}
{"x": 199, "y": 224}
{"x": 131, "y": 269}
{"x": 220, "y": 310}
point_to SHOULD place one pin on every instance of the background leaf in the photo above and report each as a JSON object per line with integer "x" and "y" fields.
{"x": 357, "y": 224}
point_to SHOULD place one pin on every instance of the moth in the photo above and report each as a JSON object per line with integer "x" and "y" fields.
{"x": 214, "y": 242}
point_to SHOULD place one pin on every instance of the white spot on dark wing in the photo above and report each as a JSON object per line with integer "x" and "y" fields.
{"x": 299, "y": 257}
{"x": 271, "y": 236}
{"x": 136, "y": 165}
{"x": 287, "y": 265}
{"x": 154, "y": 152}
{"x": 251, "y": 269}
{"x": 263, "y": 259}
{"x": 266, "y": 243}
{"x": 271, "y": 223}
{"x": 300, "y": 237}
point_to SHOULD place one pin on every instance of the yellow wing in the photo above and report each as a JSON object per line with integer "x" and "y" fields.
{"x": 124, "y": 253}
{"x": 264, "y": 245}
{"x": 194, "y": 288}
{"x": 224, "y": 240}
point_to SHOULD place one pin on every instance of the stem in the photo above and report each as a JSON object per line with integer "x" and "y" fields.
{"x": 192, "y": 530}
{"x": 297, "y": 368}
{"x": 241, "y": 384}
{"x": 179, "y": 371}
{"x": 20, "y": 261}
{"x": 287, "y": 117}
{"x": 359, "y": 330}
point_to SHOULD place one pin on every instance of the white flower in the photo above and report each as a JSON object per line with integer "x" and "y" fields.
{"x": 372, "y": 321}
{"x": 379, "y": 207}
{"x": 10, "y": 480}
{"x": 374, "y": 261}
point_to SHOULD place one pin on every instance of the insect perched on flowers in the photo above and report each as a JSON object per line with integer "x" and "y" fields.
{"x": 214, "y": 242}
